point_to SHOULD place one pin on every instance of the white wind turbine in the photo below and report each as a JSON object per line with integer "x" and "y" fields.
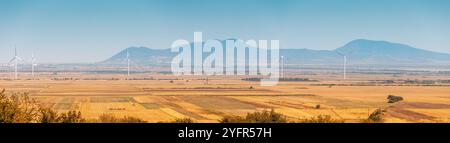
{"x": 33, "y": 64}
{"x": 15, "y": 60}
{"x": 128, "y": 63}
{"x": 345, "y": 64}
{"x": 282, "y": 67}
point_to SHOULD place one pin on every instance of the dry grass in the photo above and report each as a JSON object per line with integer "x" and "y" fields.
{"x": 162, "y": 101}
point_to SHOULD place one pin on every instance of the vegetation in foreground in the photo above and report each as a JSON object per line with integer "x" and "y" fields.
{"x": 183, "y": 120}
{"x": 274, "y": 117}
{"x": 108, "y": 118}
{"x": 17, "y": 108}
{"x": 256, "y": 117}
{"x": 20, "y": 108}
{"x": 321, "y": 119}
{"x": 375, "y": 117}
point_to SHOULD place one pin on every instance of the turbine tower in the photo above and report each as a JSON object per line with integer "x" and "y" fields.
{"x": 33, "y": 64}
{"x": 128, "y": 63}
{"x": 345, "y": 64}
{"x": 282, "y": 67}
{"x": 15, "y": 60}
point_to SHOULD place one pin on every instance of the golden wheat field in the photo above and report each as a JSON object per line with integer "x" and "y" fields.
{"x": 160, "y": 100}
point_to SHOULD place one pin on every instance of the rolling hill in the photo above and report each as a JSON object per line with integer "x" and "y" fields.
{"x": 358, "y": 52}
{"x": 141, "y": 56}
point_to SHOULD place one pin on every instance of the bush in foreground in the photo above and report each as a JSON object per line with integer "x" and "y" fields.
{"x": 71, "y": 117}
{"x": 183, "y": 120}
{"x": 20, "y": 108}
{"x": 321, "y": 119}
{"x": 47, "y": 115}
{"x": 375, "y": 117}
{"x": 17, "y": 108}
{"x": 107, "y": 118}
{"x": 256, "y": 117}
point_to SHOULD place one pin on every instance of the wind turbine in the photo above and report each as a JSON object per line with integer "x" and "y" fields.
{"x": 15, "y": 60}
{"x": 282, "y": 67}
{"x": 345, "y": 64}
{"x": 128, "y": 63}
{"x": 33, "y": 64}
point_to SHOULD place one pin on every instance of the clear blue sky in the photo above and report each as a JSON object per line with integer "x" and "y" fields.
{"x": 72, "y": 31}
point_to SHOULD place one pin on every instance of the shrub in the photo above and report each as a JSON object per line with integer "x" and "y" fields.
{"x": 321, "y": 119}
{"x": 48, "y": 115}
{"x": 128, "y": 119}
{"x": 183, "y": 120}
{"x": 17, "y": 108}
{"x": 256, "y": 117}
{"x": 71, "y": 117}
{"x": 393, "y": 98}
{"x": 107, "y": 118}
{"x": 20, "y": 108}
{"x": 375, "y": 116}
{"x": 233, "y": 119}
{"x": 317, "y": 106}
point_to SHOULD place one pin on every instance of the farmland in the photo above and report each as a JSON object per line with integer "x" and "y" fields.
{"x": 165, "y": 98}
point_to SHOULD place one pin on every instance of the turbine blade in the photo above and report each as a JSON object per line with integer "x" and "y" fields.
{"x": 19, "y": 58}
{"x": 33, "y": 59}
{"x": 339, "y": 53}
{"x": 10, "y": 61}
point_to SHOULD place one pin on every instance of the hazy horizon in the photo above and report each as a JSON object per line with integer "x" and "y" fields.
{"x": 85, "y": 31}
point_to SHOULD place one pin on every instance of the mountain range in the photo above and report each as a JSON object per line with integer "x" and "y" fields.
{"x": 358, "y": 52}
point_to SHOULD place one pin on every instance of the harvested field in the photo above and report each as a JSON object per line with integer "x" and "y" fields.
{"x": 161, "y": 100}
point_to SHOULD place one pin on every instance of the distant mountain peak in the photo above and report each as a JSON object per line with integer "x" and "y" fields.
{"x": 367, "y": 40}
{"x": 376, "y": 47}
{"x": 136, "y": 48}
{"x": 359, "y": 51}
{"x": 385, "y": 52}
{"x": 140, "y": 55}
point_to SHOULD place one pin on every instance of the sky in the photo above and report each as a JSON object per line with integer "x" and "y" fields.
{"x": 87, "y": 31}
